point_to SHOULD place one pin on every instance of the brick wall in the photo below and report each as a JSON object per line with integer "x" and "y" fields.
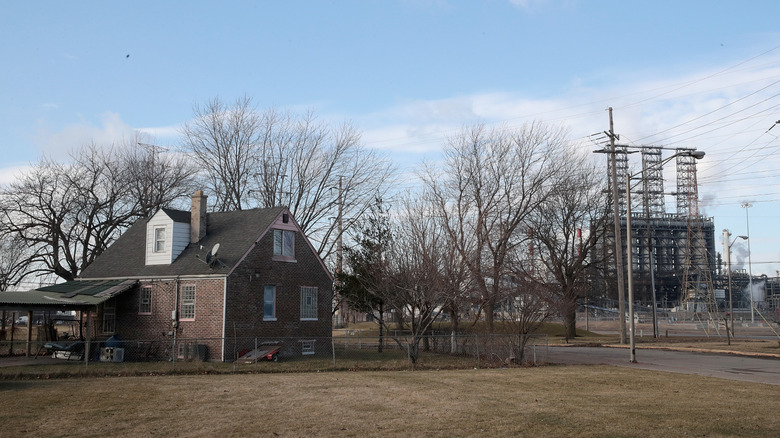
{"x": 244, "y": 315}
{"x": 245, "y": 298}
{"x": 205, "y": 328}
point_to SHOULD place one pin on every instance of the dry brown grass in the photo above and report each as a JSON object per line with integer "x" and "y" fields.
{"x": 548, "y": 401}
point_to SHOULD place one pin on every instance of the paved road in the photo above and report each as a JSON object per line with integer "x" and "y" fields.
{"x": 750, "y": 369}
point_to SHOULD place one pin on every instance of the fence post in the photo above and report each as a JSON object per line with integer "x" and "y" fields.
{"x": 255, "y": 352}
{"x": 333, "y": 350}
{"x": 476, "y": 346}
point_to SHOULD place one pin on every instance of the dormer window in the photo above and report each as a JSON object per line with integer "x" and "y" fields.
{"x": 159, "y": 240}
{"x": 167, "y": 235}
{"x": 284, "y": 244}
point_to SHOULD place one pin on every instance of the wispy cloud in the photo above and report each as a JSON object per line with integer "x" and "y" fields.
{"x": 57, "y": 144}
{"x": 11, "y": 173}
{"x": 166, "y": 134}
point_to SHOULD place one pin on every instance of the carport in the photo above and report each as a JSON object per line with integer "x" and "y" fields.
{"x": 83, "y": 296}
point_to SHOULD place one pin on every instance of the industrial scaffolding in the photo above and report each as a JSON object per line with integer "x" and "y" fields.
{"x": 676, "y": 248}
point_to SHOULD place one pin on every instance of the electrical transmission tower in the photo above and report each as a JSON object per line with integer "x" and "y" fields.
{"x": 698, "y": 294}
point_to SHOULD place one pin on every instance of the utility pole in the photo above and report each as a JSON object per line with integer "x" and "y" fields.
{"x": 618, "y": 240}
{"x": 339, "y": 301}
{"x": 339, "y": 241}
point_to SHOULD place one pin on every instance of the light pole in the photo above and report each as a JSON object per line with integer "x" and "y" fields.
{"x": 746, "y": 206}
{"x": 727, "y": 235}
{"x": 629, "y": 251}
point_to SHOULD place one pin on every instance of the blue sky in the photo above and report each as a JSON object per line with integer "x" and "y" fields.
{"x": 409, "y": 73}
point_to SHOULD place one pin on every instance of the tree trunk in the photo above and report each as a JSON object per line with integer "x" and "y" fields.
{"x": 489, "y": 309}
{"x": 454, "y": 332}
{"x": 381, "y": 326}
{"x": 570, "y": 319}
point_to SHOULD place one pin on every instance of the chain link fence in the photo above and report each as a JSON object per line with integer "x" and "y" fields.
{"x": 342, "y": 350}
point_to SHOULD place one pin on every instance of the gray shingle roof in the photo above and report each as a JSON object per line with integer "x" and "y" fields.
{"x": 235, "y": 231}
{"x": 177, "y": 215}
{"x": 70, "y": 295}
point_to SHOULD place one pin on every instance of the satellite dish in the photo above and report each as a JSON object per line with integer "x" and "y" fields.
{"x": 211, "y": 256}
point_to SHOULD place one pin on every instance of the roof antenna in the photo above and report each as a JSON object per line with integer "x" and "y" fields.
{"x": 211, "y": 256}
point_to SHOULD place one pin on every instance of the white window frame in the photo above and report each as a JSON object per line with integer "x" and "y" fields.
{"x": 284, "y": 244}
{"x": 109, "y": 316}
{"x": 187, "y": 303}
{"x": 307, "y": 347}
{"x": 272, "y": 302}
{"x": 308, "y": 303}
{"x": 145, "y": 301}
{"x": 159, "y": 239}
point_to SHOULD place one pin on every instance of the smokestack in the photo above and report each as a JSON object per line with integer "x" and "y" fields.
{"x": 198, "y": 217}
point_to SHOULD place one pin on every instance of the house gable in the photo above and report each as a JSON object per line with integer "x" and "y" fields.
{"x": 166, "y": 238}
{"x": 179, "y": 292}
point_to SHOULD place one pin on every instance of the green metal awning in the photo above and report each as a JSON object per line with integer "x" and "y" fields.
{"x": 73, "y": 294}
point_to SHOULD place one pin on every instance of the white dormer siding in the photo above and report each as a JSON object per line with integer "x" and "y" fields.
{"x": 165, "y": 239}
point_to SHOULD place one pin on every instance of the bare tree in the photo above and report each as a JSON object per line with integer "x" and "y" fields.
{"x": 223, "y": 138}
{"x": 567, "y": 228}
{"x": 155, "y": 177}
{"x": 417, "y": 273}
{"x": 69, "y": 213}
{"x": 14, "y": 268}
{"x": 14, "y": 260}
{"x": 492, "y": 180}
{"x": 271, "y": 158}
{"x": 528, "y": 305}
{"x": 399, "y": 265}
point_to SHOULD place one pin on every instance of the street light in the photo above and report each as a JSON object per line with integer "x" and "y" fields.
{"x": 727, "y": 235}
{"x": 747, "y": 205}
{"x": 629, "y": 254}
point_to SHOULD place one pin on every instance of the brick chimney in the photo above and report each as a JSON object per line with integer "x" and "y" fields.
{"x": 198, "y": 217}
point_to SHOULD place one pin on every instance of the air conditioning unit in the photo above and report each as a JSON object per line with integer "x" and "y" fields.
{"x": 112, "y": 354}
{"x": 192, "y": 351}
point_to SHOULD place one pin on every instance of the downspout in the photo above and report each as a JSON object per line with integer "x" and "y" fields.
{"x": 175, "y": 319}
{"x": 29, "y": 333}
{"x": 89, "y": 339}
{"x": 224, "y": 314}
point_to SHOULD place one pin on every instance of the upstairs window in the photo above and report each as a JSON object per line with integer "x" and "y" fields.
{"x": 159, "y": 239}
{"x": 284, "y": 244}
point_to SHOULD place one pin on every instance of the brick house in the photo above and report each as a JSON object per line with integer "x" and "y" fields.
{"x": 217, "y": 280}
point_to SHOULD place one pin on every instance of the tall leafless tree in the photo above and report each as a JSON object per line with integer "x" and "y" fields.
{"x": 492, "y": 180}
{"x": 223, "y": 139}
{"x": 417, "y": 268}
{"x": 269, "y": 158}
{"x": 14, "y": 260}
{"x": 567, "y": 228}
{"x": 68, "y": 214}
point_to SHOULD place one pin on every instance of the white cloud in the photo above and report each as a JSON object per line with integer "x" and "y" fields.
{"x": 169, "y": 133}
{"x": 57, "y": 144}
{"x": 724, "y": 111}
{"x": 11, "y": 173}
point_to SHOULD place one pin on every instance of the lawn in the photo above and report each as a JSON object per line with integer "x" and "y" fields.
{"x": 585, "y": 401}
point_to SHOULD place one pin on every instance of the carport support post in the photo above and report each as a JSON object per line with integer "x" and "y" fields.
{"x": 86, "y": 347}
{"x": 29, "y": 333}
